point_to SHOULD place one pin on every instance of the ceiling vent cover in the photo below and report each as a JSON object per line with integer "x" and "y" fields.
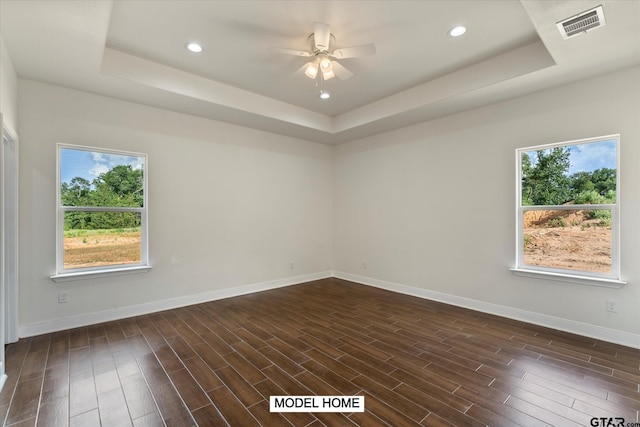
{"x": 581, "y": 23}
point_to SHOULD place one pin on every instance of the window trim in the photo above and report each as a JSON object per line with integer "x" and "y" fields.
{"x": 63, "y": 274}
{"x": 575, "y": 276}
{"x": 114, "y": 271}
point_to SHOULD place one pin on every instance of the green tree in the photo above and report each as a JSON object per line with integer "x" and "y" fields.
{"x": 597, "y": 185}
{"x": 545, "y": 182}
{"x": 76, "y": 192}
{"x": 581, "y": 181}
{"x": 527, "y": 188}
{"x": 604, "y": 180}
{"x": 121, "y": 186}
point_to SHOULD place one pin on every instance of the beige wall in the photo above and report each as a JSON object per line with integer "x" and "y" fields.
{"x": 228, "y": 206}
{"x": 431, "y": 206}
{"x": 8, "y": 88}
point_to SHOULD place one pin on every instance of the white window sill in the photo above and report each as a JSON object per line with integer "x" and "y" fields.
{"x": 78, "y": 275}
{"x": 572, "y": 278}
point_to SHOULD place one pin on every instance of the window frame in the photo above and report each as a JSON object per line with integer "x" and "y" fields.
{"x": 612, "y": 279}
{"x": 65, "y": 274}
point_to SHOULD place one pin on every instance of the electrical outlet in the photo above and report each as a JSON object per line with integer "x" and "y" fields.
{"x": 63, "y": 297}
{"x": 292, "y": 266}
{"x": 365, "y": 264}
{"x": 612, "y": 306}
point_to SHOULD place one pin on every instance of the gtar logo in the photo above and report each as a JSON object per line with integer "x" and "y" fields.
{"x": 607, "y": 422}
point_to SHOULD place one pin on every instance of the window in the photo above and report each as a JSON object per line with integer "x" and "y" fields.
{"x": 102, "y": 211}
{"x": 567, "y": 209}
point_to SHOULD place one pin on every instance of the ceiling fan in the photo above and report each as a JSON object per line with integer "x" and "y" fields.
{"x": 324, "y": 58}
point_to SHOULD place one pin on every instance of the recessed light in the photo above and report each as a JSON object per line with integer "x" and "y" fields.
{"x": 457, "y": 31}
{"x": 194, "y": 47}
{"x": 324, "y": 95}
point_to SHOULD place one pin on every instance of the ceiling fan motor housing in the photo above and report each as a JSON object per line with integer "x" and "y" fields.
{"x": 312, "y": 43}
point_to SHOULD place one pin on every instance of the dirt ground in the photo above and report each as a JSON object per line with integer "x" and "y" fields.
{"x": 94, "y": 249}
{"x": 581, "y": 245}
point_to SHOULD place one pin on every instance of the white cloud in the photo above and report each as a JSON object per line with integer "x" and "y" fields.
{"x": 103, "y": 162}
{"x": 137, "y": 163}
{"x": 98, "y": 168}
{"x": 98, "y": 157}
{"x": 589, "y": 157}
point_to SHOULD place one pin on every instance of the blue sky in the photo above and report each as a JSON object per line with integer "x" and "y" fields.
{"x": 589, "y": 157}
{"x": 90, "y": 164}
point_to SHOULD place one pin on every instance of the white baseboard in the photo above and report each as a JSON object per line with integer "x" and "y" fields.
{"x": 585, "y": 329}
{"x": 152, "y": 307}
{"x": 3, "y": 379}
{"x": 593, "y": 331}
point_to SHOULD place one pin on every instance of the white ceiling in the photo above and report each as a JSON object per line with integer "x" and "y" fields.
{"x": 134, "y": 50}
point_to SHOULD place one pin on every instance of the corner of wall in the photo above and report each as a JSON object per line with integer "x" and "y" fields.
{"x": 8, "y": 89}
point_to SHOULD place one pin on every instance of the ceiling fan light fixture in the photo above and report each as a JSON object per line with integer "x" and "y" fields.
{"x": 194, "y": 47}
{"x": 324, "y": 95}
{"x": 327, "y": 68}
{"x": 457, "y": 31}
{"x": 325, "y": 63}
{"x": 328, "y": 74}
{"x": 312, "y": 70}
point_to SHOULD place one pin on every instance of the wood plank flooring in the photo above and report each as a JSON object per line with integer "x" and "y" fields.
{"x": 416, "y": 362}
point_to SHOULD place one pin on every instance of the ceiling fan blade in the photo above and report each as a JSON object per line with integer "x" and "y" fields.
{"x": 310, "y": 69}
{"x": 341, "y": 71}
{"x": 290, "y": 51}
{"x": 321, "y": 35}
{"x": 353, "y": 51}
{"x": 300, "y": 70}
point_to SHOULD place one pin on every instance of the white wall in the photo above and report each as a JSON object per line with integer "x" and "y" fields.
{"x": 228, "y": 206}
{"x": 8, "y": 88}
{"x": 431, "y": 206}
{"x": 8, "y": 107}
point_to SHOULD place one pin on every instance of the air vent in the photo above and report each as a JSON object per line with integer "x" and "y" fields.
{"x": 581, "y": 23}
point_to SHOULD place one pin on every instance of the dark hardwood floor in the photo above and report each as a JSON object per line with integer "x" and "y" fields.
{"x": 416, "y": 362}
